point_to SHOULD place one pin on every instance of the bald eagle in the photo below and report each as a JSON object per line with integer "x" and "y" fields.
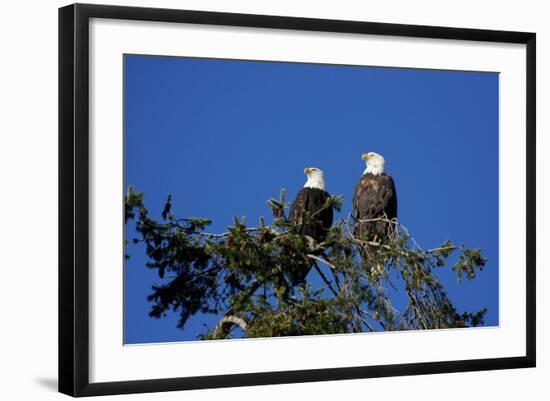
{"x": 374, "y": 198}
{"x": 311, "y": 212}
{"x": 314, "y": 200}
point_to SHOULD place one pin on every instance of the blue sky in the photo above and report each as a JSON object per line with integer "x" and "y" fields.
{"x": 223, "y": 136}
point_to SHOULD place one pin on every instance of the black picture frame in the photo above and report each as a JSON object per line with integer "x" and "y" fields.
{"x": 74, "y": 198}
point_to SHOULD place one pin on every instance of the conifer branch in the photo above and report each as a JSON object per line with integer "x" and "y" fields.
{"x": 204, "y": 272}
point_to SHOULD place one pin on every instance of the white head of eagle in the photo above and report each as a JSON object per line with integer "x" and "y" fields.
{"x": 375, "y": 163}
{"x": 315, "y": 178}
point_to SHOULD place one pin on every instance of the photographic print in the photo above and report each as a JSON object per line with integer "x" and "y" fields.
{"x": 256, "y": 199}
{"x": 273, "y": 199}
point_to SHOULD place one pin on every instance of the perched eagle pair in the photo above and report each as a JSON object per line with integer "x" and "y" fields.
{"x": 374, "y": 198}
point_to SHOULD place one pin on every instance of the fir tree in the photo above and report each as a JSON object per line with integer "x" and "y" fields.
{"x": 243, "y": 275}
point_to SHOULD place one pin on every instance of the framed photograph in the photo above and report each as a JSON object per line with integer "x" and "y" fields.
{"x": 251, "y": 199}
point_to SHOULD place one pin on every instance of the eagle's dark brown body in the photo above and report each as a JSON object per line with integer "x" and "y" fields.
{"x": 314, "y": 201}
{"x": 374, "y": 197}
{"x": 310, "y": 202}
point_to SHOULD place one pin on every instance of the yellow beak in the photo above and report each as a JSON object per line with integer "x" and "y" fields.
{"x": 307, "y": 170}
{"x": 365, "y": 156}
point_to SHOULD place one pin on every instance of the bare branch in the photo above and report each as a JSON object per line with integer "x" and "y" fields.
{"x": 323, "y": 261}
{"x": 223, "y": 327}
{"x": 325, "y": 279}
